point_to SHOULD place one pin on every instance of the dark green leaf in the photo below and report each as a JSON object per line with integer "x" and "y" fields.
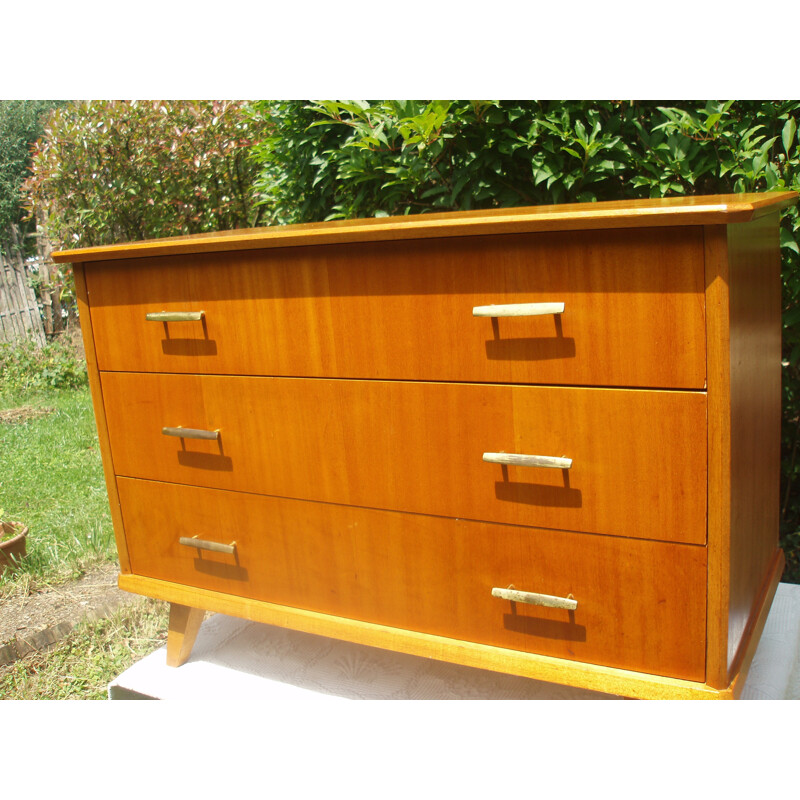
{"x": 788, "y": 241}
{"x": 788, "y": 135}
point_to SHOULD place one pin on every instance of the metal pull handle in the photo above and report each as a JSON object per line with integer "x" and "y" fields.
{"x": 519, "y": 310}
{"x": 190, "y": 433}
{"x": 203, "y": 544}
{"x": 569, "y": 602}
{"x": 175, "y": 316}
{"x": 519, "y": 460}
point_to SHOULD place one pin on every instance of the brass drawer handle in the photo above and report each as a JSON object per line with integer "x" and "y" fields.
{"x": 569, "y": 603}
{"x": 190, "y": 433}
{"x": 519, "y": 460}
{"x": 203, "y": 544}
{"x": 519, "y": 310}
{"x": 175, "y": 316}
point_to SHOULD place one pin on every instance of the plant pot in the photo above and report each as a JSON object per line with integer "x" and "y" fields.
{"x": 14, "y": 548}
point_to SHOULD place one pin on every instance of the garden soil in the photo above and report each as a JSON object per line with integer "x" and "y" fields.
{"x": 35, "y": 620}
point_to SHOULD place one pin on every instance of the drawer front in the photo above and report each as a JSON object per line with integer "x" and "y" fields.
{"x": 640, "y": 604}
{"x": 638, "y": 458}
{"x": 633, "y": 310}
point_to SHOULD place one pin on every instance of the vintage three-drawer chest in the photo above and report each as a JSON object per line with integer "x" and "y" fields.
{"x": 542, "y": 441}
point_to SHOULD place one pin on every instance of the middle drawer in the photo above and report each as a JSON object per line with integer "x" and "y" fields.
{"x": 637, "y": 458}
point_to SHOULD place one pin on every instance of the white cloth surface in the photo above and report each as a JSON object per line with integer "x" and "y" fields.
{"x": 775, "y": 670}
{"x": 234, "y": 659}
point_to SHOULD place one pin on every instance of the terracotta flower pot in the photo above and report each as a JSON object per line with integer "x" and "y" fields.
{"x": 13, "y": 546}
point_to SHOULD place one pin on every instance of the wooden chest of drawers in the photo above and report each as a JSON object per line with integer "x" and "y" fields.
{"x": 542, "y": 441}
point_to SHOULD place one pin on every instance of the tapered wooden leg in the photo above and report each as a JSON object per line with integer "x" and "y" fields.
{"x": 184, "y": 625}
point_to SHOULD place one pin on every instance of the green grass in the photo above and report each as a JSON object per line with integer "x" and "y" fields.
{"x": 82, "y": 666}
{"x": 52, "y": 481}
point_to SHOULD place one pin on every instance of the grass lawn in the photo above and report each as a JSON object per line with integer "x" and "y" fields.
{"x": 52, "y": 481}
{"x": 82, "y": 666}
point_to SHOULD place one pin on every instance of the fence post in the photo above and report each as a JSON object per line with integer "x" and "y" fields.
{"x": 49, "y": 289}
{"x": 19, "y": 311}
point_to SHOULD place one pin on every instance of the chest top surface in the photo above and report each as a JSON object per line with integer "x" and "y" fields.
{"x": 650, "y": 212}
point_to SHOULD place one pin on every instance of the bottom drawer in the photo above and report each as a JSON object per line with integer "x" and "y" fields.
{"x": 640, "y": 604}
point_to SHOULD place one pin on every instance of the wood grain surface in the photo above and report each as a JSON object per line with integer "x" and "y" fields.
{"x": 633, "y": 314}
{"x": 641, "y": 604}
{"x": 184, "y": 625}
{"x": 87, "y": 334}
{"x": 419, "y": 447}
{"x": 595, "y": 677}
{"x": 744, "y": 296}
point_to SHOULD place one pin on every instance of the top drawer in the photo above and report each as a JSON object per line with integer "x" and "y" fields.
{"x": 633, "y": 310}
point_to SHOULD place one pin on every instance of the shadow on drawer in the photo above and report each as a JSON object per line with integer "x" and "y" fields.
{"x": 211, "y": 461}
{"x": 217, "y": 569}
{"x": 566, "y": 630}
{"x": 537, "y": 494}
{"x": 189, "y": 347}
{"x": 530, "y": 349}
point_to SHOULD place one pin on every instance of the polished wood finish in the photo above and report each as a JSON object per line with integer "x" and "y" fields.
{"x": 755, "y": 314}
{"x": 634, "y": 310}
{"x": 184, "y": 625}
{"x": 755, "y": 625}
{"x": 530, "y": 665}
{"x": 744, "y": 289}
{"x": 355, "y": 393}
{"x": 644, "y": 213}
{"x": 357, "y": 442}
{"x": 87, "y": 333}
{"x": 641, "y": 603}
{"x": 719, "y": 454}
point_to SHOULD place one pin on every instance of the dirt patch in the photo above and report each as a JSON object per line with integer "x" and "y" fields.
{"x": 35, "y": 620}
{"x": 23, "y": 414}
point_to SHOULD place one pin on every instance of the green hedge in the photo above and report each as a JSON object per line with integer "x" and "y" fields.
{"x": 108, "y": 170}
{"x": 21, "y": 123}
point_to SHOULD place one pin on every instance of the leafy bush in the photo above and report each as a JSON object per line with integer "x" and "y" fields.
{"x": 24, "y": 367}
{"x": 20, "y": 126}
{"x": 110, "y": 171}
{"x": 333, "y": 160}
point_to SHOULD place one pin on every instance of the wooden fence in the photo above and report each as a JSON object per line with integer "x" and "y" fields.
{"x": 20, "y": 317}
{"x": 23, "y": 314}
